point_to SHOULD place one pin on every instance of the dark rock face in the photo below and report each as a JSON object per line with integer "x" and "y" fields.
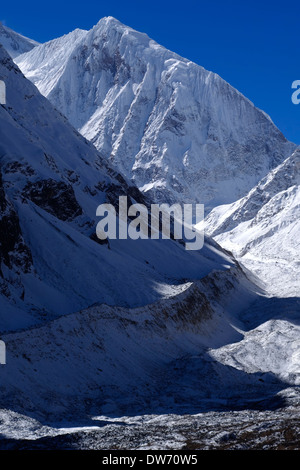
{"x": 56, "y": 197}
{"x": 13, "y": 251}
{"x": 122, "y": 188}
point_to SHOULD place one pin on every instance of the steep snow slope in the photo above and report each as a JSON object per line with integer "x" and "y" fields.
{"x": 262, "y": 229}
{"x": 14, "y": 43}
{"x": 51, "y": 61}
{"x": 52, "y": 182}
{"x": 179, "y": 132}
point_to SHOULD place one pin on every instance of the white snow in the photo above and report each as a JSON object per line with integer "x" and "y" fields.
{"x": 14, "y": 43}
{"x": 262, "y": 229}
{"x": 181, "y": 133}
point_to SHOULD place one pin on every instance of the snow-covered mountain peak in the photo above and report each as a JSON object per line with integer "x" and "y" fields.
{"x": 180, "y": 132}
{"x": 15, "y": 43}
{"x": 50, "y": 58}
{"x": 262, "y": 228}
{"x": 117, "y": 40}
{"x": 109, "y": 25}
{"x": 109, "y": 22}
{"x": 225, "y": 218}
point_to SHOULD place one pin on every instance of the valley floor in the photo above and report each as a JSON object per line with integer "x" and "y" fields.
{"x": 222, "y": 430}
{"x": 240, "y": 394}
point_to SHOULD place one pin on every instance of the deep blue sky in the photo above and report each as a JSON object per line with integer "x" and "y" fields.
{"x": 254, "y": 45}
